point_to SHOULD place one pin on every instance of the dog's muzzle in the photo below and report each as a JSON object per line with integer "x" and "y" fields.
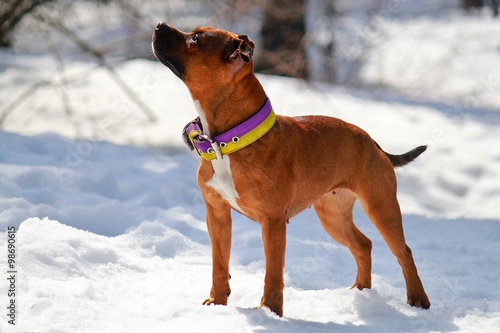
{"x": 167, "y": 44}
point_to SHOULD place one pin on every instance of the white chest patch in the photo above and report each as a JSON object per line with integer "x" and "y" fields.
{"x": 222, "y": 182}
{"x": 202, "y": 117}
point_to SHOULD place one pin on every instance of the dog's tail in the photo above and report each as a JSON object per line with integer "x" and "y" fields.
{"x": 403, "y": 159}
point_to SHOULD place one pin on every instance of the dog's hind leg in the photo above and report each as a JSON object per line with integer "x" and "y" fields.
{"x": 335, "y": 213}
{"x": 378, "y": 198}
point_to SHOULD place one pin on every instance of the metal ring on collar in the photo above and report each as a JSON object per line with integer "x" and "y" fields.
{"x": 210, "y": 151}
{"x": 235, "y": 139}
{"x": 222, "y": 145}
{"x": 204, "y": 137}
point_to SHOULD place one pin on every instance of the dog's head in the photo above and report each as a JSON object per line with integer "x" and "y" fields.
{"x": 205, "y": 55}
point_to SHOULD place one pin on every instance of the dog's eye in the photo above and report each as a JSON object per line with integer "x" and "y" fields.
{"x": 194, "y": 38}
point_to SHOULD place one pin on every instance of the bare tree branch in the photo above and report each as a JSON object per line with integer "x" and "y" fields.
{"x": 99, "y": 55}
{"x": 30, "y": 91}
{"x": 11, "y": 14}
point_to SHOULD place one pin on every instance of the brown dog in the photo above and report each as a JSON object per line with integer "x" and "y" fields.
{"x": 293, "y": 164}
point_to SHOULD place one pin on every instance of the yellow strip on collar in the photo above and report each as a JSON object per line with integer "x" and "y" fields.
{"x": 234, "y": 139}
{"x": 238, "y": 143}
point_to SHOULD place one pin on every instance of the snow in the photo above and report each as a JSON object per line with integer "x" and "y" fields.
{"x": 110, "y": 222}
{"x": 455, "y": 61}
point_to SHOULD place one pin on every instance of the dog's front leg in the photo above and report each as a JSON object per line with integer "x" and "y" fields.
{"x": 274, "y": 236}
{"x": 219, "y": 228}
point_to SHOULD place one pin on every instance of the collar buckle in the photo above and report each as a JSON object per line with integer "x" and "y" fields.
{"x": 191, "y": 126}
{"x": 214, "y": 146}
{"x": 233, "y": 140}
{"x": 216, "y": 150}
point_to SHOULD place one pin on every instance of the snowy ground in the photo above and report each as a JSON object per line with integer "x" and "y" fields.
{"x": 111, "y": 234}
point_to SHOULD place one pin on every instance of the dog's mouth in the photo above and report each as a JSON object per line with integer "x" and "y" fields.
{"x": 166, "y": 43}
{"x": 172, "y": 64}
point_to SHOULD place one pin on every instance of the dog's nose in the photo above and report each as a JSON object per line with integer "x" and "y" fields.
{"x": 162, "y": 26}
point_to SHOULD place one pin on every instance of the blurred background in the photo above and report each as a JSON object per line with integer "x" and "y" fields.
{"x": 434, "y": 51}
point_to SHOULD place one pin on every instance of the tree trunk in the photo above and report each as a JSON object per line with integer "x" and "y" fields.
{"x": 283, "y": 32}
{"x": 320, "y": 41}
{"x": 471, "y": 4}
{"x": 494, "y": 7}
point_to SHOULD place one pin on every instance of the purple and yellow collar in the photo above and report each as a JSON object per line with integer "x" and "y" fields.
{"x": 228, "y": 142}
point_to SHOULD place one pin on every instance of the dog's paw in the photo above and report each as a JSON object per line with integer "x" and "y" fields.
{"x": 270, "y": 312}
{"x": 276, "y": 306}
{"x": 218, "y": 296}
{"x": 278, "y": 311}
{"x": 213, "y": 301}
{"x": 209, "y": 301}
{"x": 419, "y": 302}
{"x": 361, "y": 286}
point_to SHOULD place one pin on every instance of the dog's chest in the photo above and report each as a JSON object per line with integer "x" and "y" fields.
{"x": 222, "y": 181}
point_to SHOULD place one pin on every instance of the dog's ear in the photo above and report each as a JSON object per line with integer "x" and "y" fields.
{"x": 246, "y": 48}
{"x": 242, "y": 47}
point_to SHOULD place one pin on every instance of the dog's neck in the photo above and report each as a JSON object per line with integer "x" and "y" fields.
{"x": 223, "y": 109}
